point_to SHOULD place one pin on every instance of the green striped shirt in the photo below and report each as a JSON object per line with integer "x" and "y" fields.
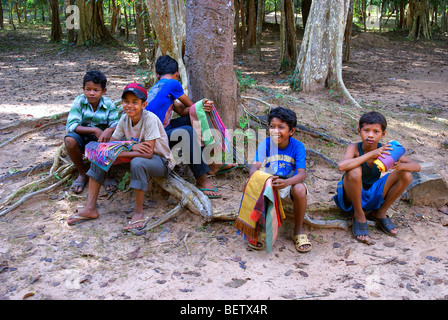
{"x": 82, "y": 114}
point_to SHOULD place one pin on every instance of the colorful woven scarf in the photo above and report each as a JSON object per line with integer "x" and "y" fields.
{"x": 260, "y": 207}
{"x": 211, "y": 124}
{"x": 103, "y": 154}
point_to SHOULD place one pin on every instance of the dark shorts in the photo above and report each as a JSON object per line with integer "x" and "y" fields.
{"x": 82, "y": 139}
{"x": 371, "y": 199}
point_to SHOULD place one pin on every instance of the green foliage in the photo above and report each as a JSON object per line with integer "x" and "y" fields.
{"x": 244, "y": 81}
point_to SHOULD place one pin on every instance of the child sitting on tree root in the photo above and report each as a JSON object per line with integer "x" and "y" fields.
{"x": 92, "y": 117}
{"x": 150, "y": 156}
{"x": 362, "y": 188}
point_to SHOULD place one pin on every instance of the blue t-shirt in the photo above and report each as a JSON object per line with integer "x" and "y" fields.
{"x": 281, "y": 162}
{"x": 161, "y": 97}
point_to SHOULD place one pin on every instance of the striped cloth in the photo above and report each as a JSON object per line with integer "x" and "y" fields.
{"x": 209, "y": 128}
{"x": 260, "y": 207}
{"x": 104, "y": 154}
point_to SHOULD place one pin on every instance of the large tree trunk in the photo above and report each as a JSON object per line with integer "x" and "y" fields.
{"x": 168, "y": 23}
{"x": 418, "y": 19}
{"x": 209, "y": 56}
{"x": 92, "y": 28}
{"x": 319, "y": 64}
{"x": 288, "y": 43}
{"x": 56, "y": 29}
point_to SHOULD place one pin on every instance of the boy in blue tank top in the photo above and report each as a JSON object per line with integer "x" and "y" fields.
{"x": 284, "y": 157}
{"x": 362, "y": 188}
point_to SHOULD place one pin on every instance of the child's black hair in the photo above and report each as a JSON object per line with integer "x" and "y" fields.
{"x": 96, "y": 77}
{"x": 166, "y": 65}
{"x": 373, "y": 117}
{"x": 284, "y": 115}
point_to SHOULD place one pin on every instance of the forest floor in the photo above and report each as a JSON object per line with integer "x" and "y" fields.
{"x": 41, "y": 257}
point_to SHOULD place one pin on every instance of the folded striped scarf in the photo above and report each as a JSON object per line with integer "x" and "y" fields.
{"x": 211, "y": 124}
{"x": 260, "y": 207}
{"x": 103, "y": 154}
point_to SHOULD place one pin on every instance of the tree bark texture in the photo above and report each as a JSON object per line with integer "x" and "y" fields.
{"x": 168, "y": 24}
{"x": 418, "y": 19}
{"x": 319, "y": 64}
{"x": 91, "y": 22}
{"x": 288, "y": 46}
{"x": 209, "y": 56}
{"x": 56, "y": 29}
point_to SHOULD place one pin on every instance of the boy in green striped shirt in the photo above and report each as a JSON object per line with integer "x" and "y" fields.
{"x": 92, "y": 117}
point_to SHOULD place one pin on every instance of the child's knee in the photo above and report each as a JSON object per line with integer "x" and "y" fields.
{"x": 406, "y": 177}
{"x": 71, "y": 143}
{"x": 298, "y": 191}
{"x": 354, "y": 174}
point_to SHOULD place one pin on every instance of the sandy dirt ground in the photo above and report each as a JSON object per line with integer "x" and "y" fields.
{"x": 41, "y": 257}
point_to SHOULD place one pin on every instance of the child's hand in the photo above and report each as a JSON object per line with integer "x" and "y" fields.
{"x": 105, "y": 135}
{"x": 381, "y": 152}
{"x": 278, "y": 183}
{"x": 143, "y": 147}
{"x": 208, "y": 105}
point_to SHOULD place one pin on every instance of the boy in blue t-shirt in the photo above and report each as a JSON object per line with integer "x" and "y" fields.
{"x": 162, "y": 100}
{"x": 284, "y": 157}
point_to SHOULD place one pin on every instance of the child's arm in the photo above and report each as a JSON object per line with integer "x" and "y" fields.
{"x": 184, "y": 108}
{"x": 279, "y": 183}
{"x": 351, "y": 158}
{"x": 143, "y": 150}
{"x": 406, "y": 164}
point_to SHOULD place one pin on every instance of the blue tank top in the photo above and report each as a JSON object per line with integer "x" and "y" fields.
{"x": 369, "y": 174}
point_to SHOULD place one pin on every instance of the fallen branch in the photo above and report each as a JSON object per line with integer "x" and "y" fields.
{"x": 29, "y": 131}
{"x": 170, "y": 214}
{"x": 29, "y": 195}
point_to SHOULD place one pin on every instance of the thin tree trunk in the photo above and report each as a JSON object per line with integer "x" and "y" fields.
{"x": 56, "y": 29}
{"x": 260, "y": 20}
{"x": 288, "y": 42}
{"x": 140, "y": 34}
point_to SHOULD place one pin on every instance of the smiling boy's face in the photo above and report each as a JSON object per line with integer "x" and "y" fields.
{"x": 132, "y": 105}
{"x": 279, "y": 132}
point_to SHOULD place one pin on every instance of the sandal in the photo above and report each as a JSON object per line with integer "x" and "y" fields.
{"x": 301, "y": 240}
{"x": 130, "y": 225}
{"x": 78, "y": 184}
{"x": 80, "y": 219}
{"x": 261, "y": 242}
{"x": 210, "y": 196}
{"x": 110, "y": 185}
{"x": 386, "y": 224}
{"x": 360, "y": 229}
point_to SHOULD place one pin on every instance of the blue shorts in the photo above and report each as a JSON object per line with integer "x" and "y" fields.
{"x": 371, "y": 199}
{"x": 82, "y": 139}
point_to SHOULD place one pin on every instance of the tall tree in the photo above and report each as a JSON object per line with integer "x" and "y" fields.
{"x": 319, "y": 64}
{"x": 56, "y": 29}
{"x": 211, "y": 74}
{"x": 288, "y": 42}
{"x": 418, "y": 19}
{"x": 168, "y": 24}
{"x": 91, "y": 23}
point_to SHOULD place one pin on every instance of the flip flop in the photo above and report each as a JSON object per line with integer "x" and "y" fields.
{"x": 77, "y": 183}
{"x": 300, "y": 240}
{"x": 136, "y": 222}
{"x": 110, "y": 182}
{"x": 385, "y": 224}
{"x": 221, "y": 171}
{"x": 81, "y": 219}
{"x": 261, "y": 242}
{"x": 360, "y": 229}
{"x": 212, "y": 190}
